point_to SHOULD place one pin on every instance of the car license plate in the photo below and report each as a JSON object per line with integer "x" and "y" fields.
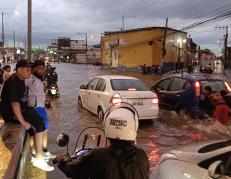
{"x": 138, "y": 103}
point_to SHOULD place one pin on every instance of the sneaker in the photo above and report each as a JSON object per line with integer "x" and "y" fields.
{"x": 48, "y": 155}
{"x": 42, "y": 164}
{"x": 34, "y": 157}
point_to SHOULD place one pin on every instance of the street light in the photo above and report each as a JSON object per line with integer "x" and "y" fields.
{"x": 3, "y": 32}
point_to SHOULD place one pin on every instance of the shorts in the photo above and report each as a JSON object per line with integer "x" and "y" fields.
{"x": 43, "y": 114}
{"x": 32, "y": 117}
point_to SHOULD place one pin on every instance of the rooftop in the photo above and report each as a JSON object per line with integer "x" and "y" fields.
{"x": 142, "y": 29}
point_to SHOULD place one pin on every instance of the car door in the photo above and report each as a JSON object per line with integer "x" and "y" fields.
{"x": 176, "y": 92}
{"x": 161, "y": 90}
{"x": 89, "y": 93}
{"x": 98, "y": 97}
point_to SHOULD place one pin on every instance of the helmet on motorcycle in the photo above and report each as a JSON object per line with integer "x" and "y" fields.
{"x": 121, "y": 122}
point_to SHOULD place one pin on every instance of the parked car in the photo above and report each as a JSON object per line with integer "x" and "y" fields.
{"x": 103, "y": 91}
{"x": 204, "y": 160}
{"x": 182, "y": 92}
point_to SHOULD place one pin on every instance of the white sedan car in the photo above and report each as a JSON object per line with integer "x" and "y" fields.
{"x": 103, "y": 91}
{"x": 205, "y": 160}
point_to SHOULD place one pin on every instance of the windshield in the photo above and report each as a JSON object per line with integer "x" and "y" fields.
{"x": 128, "y": 85}
{"x": 216, "y": 86}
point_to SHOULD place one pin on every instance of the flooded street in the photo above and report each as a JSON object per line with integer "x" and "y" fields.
{"x": 155, "y": 137}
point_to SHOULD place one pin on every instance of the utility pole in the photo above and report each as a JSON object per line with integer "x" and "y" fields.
{"x": 14, "y": 45}
{"x": 3, "y": 39}
{"x": 29, "y": 35}
{"x": 164, "y": 52}
{"x": 123, "y": 21}
{"x": 225, "y": 44}
{"x": 86, "y": 49}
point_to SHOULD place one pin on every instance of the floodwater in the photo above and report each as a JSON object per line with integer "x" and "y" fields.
{"x": 156, "y": 137}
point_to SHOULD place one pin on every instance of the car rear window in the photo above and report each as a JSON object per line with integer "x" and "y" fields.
{"x": 128, "y": 84}
{"x": 216, "y": 86}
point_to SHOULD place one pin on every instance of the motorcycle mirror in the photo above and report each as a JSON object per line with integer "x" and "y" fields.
{"x": 63, "y": 140}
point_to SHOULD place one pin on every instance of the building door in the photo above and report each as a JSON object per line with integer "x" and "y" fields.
{"x": 114, "y": 58}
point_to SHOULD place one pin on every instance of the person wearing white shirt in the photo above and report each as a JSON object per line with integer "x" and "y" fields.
{"x": 37, "y": 99}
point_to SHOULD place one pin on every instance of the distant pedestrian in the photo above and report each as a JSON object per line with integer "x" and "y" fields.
{"x": 177, "y": 66}
{"x": 1, "y": 74}
{"x": 6, "y": 73}
{"x": 182, "y": 66}
{"x": 144, "y": 69}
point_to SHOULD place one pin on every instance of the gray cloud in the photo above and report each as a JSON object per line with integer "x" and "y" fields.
{"x": 55, "y": 18}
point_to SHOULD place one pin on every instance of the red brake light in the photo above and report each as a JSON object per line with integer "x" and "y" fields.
{"x": 227, "y": 86}
{"x": 197, "y": 88}
{"x": 116, "y": 98}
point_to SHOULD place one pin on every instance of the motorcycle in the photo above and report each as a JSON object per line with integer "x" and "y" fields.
{"x": 90, "y": 138}
{"x": 53, "y": 90}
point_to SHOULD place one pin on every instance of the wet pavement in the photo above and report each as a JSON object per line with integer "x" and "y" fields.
{"x": 170, "y": 131}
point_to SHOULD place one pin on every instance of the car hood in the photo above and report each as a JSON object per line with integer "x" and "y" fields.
{"x": 190, "y": 153}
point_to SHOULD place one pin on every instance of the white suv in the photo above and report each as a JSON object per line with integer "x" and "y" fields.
{"x": 103, "y": 91}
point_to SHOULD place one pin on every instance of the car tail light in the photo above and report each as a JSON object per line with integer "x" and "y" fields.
{"x": 116, "y": 98}
{"x": 155, "y": 101}
{"x": 227, "y": 86}
{"x": 197, "y": 88}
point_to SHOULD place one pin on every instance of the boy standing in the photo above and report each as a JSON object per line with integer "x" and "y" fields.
{"x": 37, "y": 99}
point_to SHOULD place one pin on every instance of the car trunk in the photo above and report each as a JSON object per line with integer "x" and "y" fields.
{"x": 138, "y": 99}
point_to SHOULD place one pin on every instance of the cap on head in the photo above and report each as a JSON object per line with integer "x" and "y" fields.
{"x": 22, "y": 64}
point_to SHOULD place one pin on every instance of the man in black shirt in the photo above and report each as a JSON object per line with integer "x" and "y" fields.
{"x": 14, "y": 108}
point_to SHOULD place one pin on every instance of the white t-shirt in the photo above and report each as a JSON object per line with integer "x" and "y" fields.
{"x": 36, "y": 94}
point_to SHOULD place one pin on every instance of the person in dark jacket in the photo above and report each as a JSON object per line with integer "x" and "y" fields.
{"x": 121, "y": 160}
{"x": 205, "y": 102}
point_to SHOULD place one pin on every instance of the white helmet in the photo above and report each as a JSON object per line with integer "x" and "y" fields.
{"x": 121, "y": 122}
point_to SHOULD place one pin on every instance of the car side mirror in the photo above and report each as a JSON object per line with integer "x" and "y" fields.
{"x": 216, "y": 169}
{"x": 62, "y": 140}
{"x": 82, "y": 87}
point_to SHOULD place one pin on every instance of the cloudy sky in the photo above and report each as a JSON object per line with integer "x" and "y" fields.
{"x": 56, "y": 18}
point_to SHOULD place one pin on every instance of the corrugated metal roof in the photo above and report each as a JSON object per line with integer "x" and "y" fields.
{"x": 142, "y": 29}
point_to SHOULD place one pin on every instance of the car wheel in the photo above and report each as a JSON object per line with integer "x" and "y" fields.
{"x": 80, "y": 102}
{"x": 100, "y": 114}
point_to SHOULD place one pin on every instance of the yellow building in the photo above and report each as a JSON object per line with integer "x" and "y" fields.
{"x": 136, "y": 47}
